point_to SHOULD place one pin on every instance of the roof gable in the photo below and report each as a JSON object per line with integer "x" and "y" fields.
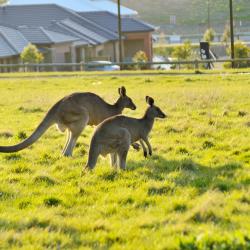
{"x": 12, "y": 41}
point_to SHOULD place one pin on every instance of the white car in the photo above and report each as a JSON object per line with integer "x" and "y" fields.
{"x": 161, "y": 66}
{"x": 102, "y": 66}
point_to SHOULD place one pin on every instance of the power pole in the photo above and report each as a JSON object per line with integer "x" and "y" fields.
{"x": 232, "y": 30}
{"x": 208, "y": 14}
{"x": 119, "y": 30}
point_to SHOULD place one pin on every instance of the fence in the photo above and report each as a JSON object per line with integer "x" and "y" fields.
{"x": 82, "y": 66}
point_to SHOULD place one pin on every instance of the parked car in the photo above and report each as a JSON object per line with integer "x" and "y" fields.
{"x": 102, "y": 66}
{"x": 162, "y": 66}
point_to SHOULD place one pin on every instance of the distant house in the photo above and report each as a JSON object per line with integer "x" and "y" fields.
{"x": 64, "y": 35}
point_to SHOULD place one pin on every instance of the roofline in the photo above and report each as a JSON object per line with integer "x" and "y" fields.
{"x": 45, "y": 33}
{"x": 153, "y": 28}
{"x": 138, "y": 31}
{"x": 73, "y": 31}
{"x": 87, "y": 20}
{"x": 24, "y": 5}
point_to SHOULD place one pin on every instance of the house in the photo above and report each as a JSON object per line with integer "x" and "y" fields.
{"x": 64, "y": 35}
{"x": 137, "y": 34}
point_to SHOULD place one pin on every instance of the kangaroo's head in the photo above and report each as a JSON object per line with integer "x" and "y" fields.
{"x": 153, "y": 111}
{"x": 124, "y": 101}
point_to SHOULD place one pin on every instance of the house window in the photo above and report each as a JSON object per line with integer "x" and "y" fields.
{"x": 172, "y": 19}
{"x": 67, "y": 57}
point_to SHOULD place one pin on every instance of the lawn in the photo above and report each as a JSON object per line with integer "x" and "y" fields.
{"x": 193, "y": 193}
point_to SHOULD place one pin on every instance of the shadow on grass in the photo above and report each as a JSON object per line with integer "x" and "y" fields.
{"x": 186, "y": 173}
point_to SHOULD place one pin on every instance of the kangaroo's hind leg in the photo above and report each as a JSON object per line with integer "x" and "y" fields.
{"x": 123, "y": 148}
{"x": 75, "y": 129}
{"x": 67, "y": 141}
{"x": 113, "y": 159}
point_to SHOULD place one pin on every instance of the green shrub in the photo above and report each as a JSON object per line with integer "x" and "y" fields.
{"x": 240, "y": 51}
{"x": 30, "y": 54}
{"x": 209, "y": 35}
{"x": 140, "y": 57}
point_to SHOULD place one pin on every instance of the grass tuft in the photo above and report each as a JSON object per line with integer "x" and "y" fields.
{"x": 52, "y": 202}
{"x": 13, "y": 157}
{"x": 21, "y": 135}
{"x": 207, "y": 144}
{"x": 43, "y": 179}
{"x": 6, "y": 134}
{"x": 30, "y": 110}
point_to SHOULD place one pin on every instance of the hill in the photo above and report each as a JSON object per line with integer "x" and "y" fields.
{"x": 192, "y": 13}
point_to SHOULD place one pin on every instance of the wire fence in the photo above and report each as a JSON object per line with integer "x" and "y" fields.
{"x": 83, "y": 66}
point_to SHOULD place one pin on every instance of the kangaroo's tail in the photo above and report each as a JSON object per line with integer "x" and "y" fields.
{"x": 48, "y": 121}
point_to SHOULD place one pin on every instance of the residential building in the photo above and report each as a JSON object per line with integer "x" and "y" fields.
{"x": 64, "y": 35}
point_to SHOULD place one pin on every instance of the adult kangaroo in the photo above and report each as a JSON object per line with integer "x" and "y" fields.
{"x": 73, "y": 113}
{"x": 115, "y": 135}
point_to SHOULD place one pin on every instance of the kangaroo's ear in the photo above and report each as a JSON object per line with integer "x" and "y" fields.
{"x": 150, "y": 101}
{"x": 122, "y": 91}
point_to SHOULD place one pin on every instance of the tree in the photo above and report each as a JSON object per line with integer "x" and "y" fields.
{"x": 209, "y": 35}
{"x": 30, "y": 54}
{"x": 241, "y": 50}
{"x": 226, "y": 35}
{"x": 162, "y": 38}
{"x": 140, "y": 57}
{"x": 183, "y": 52}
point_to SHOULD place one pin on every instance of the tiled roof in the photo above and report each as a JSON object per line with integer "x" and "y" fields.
{"x": 110, "y": 21}
{"x": 60, "y": 28}
{"x": 12, "y": 41}
{"x": 40, "y": 35}
{"x": 5, "y": 49}
{"x": 47, "y": 14}
{"x": 84, "y": 31}
{"x": 80, "y": 5}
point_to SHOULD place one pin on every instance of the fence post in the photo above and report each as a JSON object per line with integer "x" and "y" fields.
{"x": 25, "y": 67}
{"x": 82, "y": 66}
{"x": 196, "y": 64}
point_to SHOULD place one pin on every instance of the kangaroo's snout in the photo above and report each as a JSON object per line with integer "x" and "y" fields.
{"x": 133, "y": 107}
{"x": 163, "y": 115}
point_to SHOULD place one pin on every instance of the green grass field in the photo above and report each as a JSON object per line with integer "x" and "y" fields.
{"x": 193, "y": 193}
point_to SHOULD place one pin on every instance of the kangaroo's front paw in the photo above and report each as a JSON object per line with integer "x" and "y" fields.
{"x": 150, "y": 153}
{"x": 145, "y": 154}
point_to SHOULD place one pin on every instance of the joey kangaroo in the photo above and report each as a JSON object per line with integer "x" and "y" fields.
{"x": 114, "y": 136}
{"x": 73, "y": 113}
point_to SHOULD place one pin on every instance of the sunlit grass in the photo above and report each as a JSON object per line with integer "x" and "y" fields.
{"x": 193, "y": 193}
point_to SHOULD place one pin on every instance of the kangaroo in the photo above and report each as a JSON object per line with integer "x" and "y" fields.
{"x": 73, "y": 113}
{"x": 115, "y": 135}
